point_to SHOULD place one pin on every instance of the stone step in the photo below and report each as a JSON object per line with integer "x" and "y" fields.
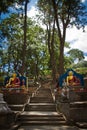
{"x": 40, "y": 107}
{"x": 44, "y": 89}
{"x": 19, "y": 107}
{"x": 47, "y": 90}
{"x": 49, "y": 127}
{"x": 43, "y": 123}
{"x": 81, "y": 104}
{"x": 41, "y": 100}
{"x": 40, "y": 113}
{"x": 41, "y": 118}
{"x": 44, "y": 95}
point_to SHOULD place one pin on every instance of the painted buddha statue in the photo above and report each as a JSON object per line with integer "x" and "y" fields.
{"x": 14, "y": 81}
{"x": 72, "y": 80}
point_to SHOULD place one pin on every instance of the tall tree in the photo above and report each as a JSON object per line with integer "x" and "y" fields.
{"x": 5, "y": 9}
{"x": 46, "y": 8}
{"x": 67, "y": 12}
{"x": 25, "y": 38}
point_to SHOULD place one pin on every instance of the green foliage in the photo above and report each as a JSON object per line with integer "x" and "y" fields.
{"x": 76, "y": 54}
{"x": 80, "y": 64}
{"x": 68, "y": 62}
{"x": 38, "y": 61}
{"x": 72, "y": 12}
{"x": 80, "y": 67}
{"x": 82, "y": 70}
{"x": 36, "y": 51}
{"x": 5, "y": 4}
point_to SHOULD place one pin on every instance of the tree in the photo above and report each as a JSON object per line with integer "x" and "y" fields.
{"x": 46, "y": 8}
{"x": 36, "y": 50}
{"x": 36, "y": 62}
{"x": 12, "y": 4}
{"x": 67, "y": 12}
{"x": 76, "y": 54}
{"x": 25, "y": 38}
{"x": 13, "y": 36}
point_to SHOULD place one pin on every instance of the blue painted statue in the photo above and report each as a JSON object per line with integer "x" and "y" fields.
{"x": 72, "y": 78}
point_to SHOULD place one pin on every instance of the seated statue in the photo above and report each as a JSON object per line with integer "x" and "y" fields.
{"x": 72, "y": 80}
{"x": 14, "y": 81}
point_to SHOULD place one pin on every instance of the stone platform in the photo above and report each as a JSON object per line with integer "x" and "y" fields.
{"x": 74, "y": 108}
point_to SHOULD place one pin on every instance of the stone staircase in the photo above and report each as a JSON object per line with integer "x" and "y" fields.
{"x": 41, "y": 111}
{"x": 16, "y": 102}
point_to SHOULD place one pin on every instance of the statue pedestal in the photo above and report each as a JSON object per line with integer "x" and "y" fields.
{"x": 7, "y": 116}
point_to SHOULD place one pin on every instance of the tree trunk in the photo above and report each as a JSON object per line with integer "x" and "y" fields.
{"x": 53, "y": 64}
{"x": 61, "y": 38}
{"x": 51, "y": 50}
{"x": 53, "y": 60}
{"x": 24, "y": 45}
{"x": 61, "y": 58}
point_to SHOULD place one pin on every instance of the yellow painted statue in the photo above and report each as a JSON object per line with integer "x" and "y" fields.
{"x": 72, "y": 80}
{"x": 14, "y": 81}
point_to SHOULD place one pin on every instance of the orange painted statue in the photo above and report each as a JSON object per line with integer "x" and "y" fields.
{"x": 14, "y": 82}
{"x": 72, "y": 80}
